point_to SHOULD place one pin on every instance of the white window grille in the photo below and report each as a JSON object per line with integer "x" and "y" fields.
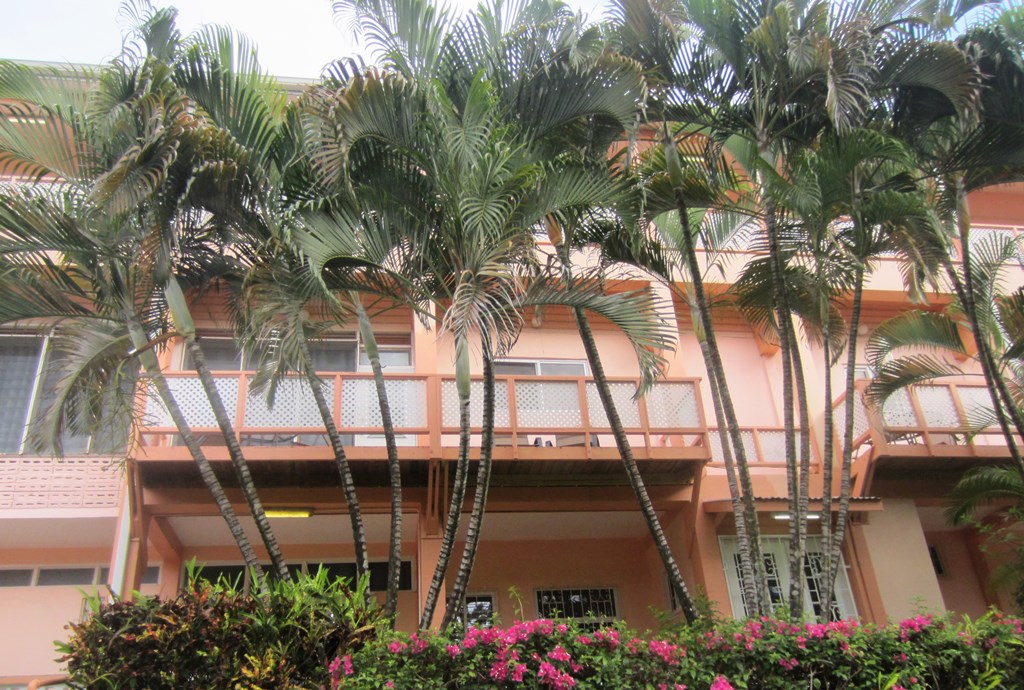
{"x": 776, "y": 558}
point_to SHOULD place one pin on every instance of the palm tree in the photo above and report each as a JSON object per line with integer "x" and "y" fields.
{"x": 138, "y": 153}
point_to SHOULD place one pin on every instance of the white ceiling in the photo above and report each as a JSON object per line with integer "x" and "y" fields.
{"x": 334, "y": 529}
{"x": 56, "y": 533}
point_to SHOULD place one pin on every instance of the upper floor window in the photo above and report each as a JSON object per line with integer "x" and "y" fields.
{"x": 30, "y": 368}
{"x": 540, "y": 367}
{"x": 330, "y": 355}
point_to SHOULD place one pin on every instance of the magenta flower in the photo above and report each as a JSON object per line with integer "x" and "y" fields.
{"x": 721, "y": 683}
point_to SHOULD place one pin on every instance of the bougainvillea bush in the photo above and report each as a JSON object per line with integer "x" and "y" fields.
{"x": 924, "y": 652}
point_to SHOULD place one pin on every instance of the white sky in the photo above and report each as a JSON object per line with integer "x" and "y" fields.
{"x": 296, "y": 38}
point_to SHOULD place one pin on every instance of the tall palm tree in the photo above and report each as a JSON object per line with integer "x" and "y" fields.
{"x": 137, "y": 151}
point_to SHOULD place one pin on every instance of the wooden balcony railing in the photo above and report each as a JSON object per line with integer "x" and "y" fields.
{"x": 939, "y": 419}
{"x": 765, "y": 446}
{"x": 535, "y": 417}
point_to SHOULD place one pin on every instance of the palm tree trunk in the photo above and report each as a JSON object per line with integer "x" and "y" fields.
{"x": 748, "y": 581}
{"x": 483, "y": 483}
{"x": 784, "y": 325}
{"x": 394, "y": 466}
{"x": 835, "y": 545}
{"x": 451, "y": 528}
{"x": 1003, "y": 405}
{"x": 348, "y": 486}
{"x": 753, "y": 558}
{"x": 152, "y": 367}
{"x": 178, "y": 308}
{"x": 827, "y": 471}
{"x": 633, "y": 472}
{"x": 805, "y": 455}
{"x": 241, "y": 467}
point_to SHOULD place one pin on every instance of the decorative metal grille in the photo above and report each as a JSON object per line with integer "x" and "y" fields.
{"x": 188, "y": 393}
{"x": 622, "y": 395}
{"x": 406, "y": 397}
{"x": 576, "y": 603}
{"x": 673, "y": 405}
{"x": 898, "y": 412}
{"x": 69, "y": 483}
{"x": 937, "y": 406}
{"x": 814, "y": 577}
{"x": 548, "y": 404}
{"x": 294, "y": 406}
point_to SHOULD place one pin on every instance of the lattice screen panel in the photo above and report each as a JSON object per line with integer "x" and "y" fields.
{"x": 898, "y": 412}
{"x": 749, "y": 447}
{"x": 69, "y": 483}
{"x": 673, "y": 405}
{"x": 622, "y": 395}
{"x": 406, "y": 397}
{"x": 294, "y": 406}
{"x": 860, "y": 416}
{"x": 188, "y": 393}
{"x": 548, "y": 404}
{"x": 937, "y": 406}
{"x": 976, "y": 401}
{"x": 450, "y": 404}
{"x": 773, "y": 445}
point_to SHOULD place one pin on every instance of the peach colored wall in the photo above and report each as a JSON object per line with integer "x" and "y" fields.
{"x": 899, "y": 553}
{"x": 961, "y": 587}
{"x": 33, "y": 617}
{"x": 532, "y": 565}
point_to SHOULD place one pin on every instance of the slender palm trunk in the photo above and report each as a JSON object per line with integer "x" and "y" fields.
{"x": 836, "y": 539}
{"x": 451, "y": 527}
{"x": 241, "y": 467}
{"x": 827, "y": 473}
{"x": 748, "y": 581}
{"x": 801, "y": 516}
{"x": 636, "y": 480}
{"x": 178, "y": 307}
{"x": 1003, "y": 404}
{"x": 784, "y": 325}
{"x": 753, "y": 558}
{"x": 152, "y": 368}
{"x": 394, "y": 466}
{"x": 348, "y": 486}
{"x": 483, "y": 483}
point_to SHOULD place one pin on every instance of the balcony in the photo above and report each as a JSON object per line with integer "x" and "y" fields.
{"x": 764, "y": 446}
{"x": 540, "y": 421}
{"x": 34, "y": 483}
{"x": 927, "y": 426}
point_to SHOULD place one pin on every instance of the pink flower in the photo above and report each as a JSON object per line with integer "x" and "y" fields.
{"x": 389, "y": 684}
{"x": 396, "y": 647}
{"x": 347, "y": 665}
{"x": 559, "y": 654}
{"x": 721, "y": 683}
{"x": 453, "y": 650}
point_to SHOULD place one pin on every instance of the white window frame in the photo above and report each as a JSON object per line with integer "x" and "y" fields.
{"x": 777, "y": 547}
{"x": 480, "y": 595}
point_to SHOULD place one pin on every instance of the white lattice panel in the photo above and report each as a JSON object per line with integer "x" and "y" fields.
{"x": 898, "y": 412}
{"x": 47, "y": 483}
{"x": 294, "y": 406}
{"x": 976, "y": 401}
{"x": 773, "y": 445}
{"x": 860, "y": 416}
{"x": 937, "y": 406}
{"x": 749, "y": 447}
{"x": 189, "y": 394}
{"x": 450, "y": 404}
{"x": 548, "y": 404}
{"x": 622, "y": 396}
{"x": 407, "y": 399}
{"x": 673, "y": 405}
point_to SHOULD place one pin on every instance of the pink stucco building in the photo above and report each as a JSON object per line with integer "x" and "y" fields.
{"x": 562, "y": 524}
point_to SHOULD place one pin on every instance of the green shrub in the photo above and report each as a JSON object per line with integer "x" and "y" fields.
{"x": 920, "y": 653}
{"x": 213, "y": 636}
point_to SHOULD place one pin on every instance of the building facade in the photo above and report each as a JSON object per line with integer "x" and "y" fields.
{"x": 562, "y": 532}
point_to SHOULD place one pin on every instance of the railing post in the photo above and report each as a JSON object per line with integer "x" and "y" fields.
{"x": 513, "y": 412}
{"x": 581, "y": 394}
{"x": 243, "y": 394}
{"x": 435, "y": 413}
